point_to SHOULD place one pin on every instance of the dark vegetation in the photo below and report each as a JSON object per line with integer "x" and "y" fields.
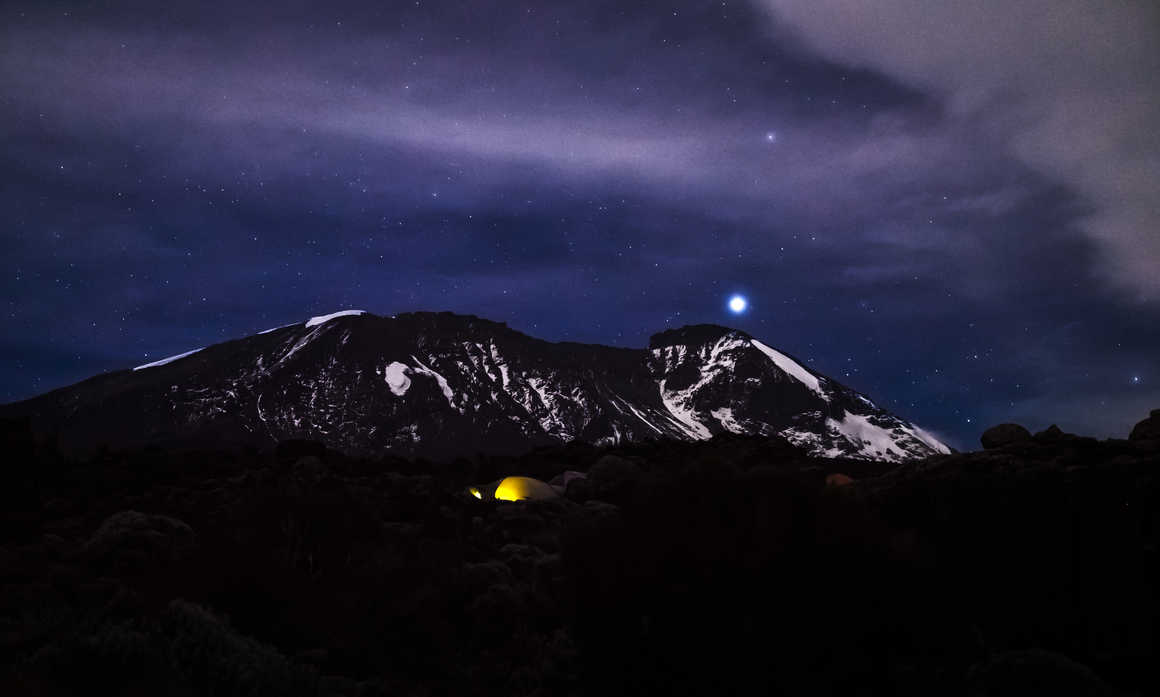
{"x": 725, "y": 567}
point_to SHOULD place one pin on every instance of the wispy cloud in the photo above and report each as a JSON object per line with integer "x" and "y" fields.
{"x": 1069, "y": 87}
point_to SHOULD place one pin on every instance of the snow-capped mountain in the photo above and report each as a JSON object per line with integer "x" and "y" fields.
{"x": 444, "y": 385}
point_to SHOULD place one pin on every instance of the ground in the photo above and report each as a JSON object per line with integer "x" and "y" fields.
{"x": 734, "y": 566}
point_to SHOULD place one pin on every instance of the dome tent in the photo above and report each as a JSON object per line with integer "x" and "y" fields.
{"x": 515, "y": 489}
{"x": 561, "y": 481}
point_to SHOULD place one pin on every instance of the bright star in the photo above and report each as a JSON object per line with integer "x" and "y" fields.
{"x": 737, "y": 304}
{"x": 771, "y": 137}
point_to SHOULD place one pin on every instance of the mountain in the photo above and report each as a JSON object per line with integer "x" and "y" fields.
{"x": 443, "y": 385}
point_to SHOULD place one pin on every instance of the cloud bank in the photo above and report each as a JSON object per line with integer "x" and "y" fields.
{"x": 1069, "y": 87}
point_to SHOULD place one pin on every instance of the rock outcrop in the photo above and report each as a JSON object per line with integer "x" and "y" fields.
{"x": 1004, "y": 434}
{"x": 1148, "y": 429}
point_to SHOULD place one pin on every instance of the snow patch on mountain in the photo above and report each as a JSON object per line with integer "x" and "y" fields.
{"x": 443, "y": 385}
{"x": 867, "y": 439}
{"x": 167, "y": 361}
{"x": 549, "y": 409}
{"x": 791, "y": 367}
{"x": 730, "y": 342}
{"x": 397, "y": 380}
{"x": 677, "y": 402}
{"x": 725, "y": 417}
{"x": 271, "y": 330}
{"x": 499, "y": 363}
{"x": 409, "y": 433}
{"x": 300, "y": 344}
{"x": 540, "y": 386}
{"x": 807, "y": 440}
{"x": 713, "y": 363}
{"x": 616, "y": 438}
{"x": 637, "y": 414}
{"x": 932, "y": 442}
{"x": 322, "y": 319}
{"x": 878, "y": 436}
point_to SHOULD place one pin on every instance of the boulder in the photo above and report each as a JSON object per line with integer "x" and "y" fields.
{"x": 485, "y": 574}
{"x": 1004, "y": 434}
{"x": 613, "y": 477}
{"x": 594, "y": 518}
{"x": 565, "y": 478}
{"x": 293, "y": 449}
{"x": 579, "y": 490}
{"x": 496, "y": 609}
{"x": 132, "y": 538}
{"x": 520, "y": 558}
{"x": 1148, "y": 429}
{"x": 309, "y": 468}
{"x": 1034, "y": 672}
{"x": 1053, "y": 433}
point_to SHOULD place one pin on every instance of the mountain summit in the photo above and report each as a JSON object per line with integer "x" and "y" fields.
{"x": 444, "y": 385}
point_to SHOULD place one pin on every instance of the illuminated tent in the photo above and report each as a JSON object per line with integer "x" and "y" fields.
{"x": 515, "y": 489}
{"x": 838, "y": 479}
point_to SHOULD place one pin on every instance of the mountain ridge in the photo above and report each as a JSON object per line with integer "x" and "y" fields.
{"x": 439, "y": 384}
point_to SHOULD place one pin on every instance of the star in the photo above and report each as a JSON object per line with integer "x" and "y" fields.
{"x": 737, "y": 304}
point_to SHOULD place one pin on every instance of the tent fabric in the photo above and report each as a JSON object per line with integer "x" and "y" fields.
{"x": 516, "y": 489}
{"x": 524, "y": 489}
{"x": 561, "y": 481}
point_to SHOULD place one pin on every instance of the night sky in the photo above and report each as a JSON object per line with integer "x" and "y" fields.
{"x": 954, "y": 210}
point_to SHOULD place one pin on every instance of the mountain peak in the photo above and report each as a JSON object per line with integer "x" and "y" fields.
{"x": 692, "y": 334}
{"x": 449, "y": 318}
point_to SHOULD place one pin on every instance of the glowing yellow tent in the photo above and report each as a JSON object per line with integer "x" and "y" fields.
{"x": 516, "y": 489}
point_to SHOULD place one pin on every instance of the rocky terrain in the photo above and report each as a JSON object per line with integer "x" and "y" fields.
{"x": 732, "y": 565}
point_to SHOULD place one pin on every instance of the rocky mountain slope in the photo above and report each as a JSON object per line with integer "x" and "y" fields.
{"x": 443, "y": 385}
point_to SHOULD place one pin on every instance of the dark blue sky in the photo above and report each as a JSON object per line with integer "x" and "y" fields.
{"x": 952, "y": 210}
